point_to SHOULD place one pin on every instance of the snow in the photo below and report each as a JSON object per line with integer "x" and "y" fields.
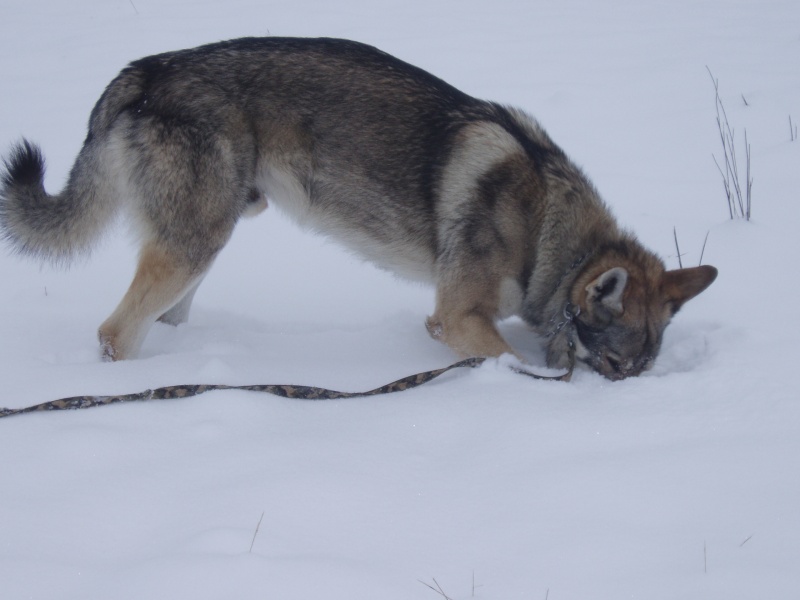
{"x": 681, "y": 483}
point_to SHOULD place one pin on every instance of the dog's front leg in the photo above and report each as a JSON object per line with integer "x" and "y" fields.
{"x": 465, "y": 319}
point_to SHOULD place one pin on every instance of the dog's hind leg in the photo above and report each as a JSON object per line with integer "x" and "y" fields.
{"x": 188, "y": 184}
{"x": 180, "y": 312}
{"x": 256, "y": 204}
{"x": 164, "y": 284}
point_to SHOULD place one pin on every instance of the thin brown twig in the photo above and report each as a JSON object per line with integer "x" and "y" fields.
{"x": 677, "y": 248}
{"x": 255, "y": 533}
{"x": 703, "y": 250}
{"x": 438, "y": 589}
{"x": 739, "y": 201}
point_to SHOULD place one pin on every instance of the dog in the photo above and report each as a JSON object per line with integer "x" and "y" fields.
{"x": 412, "y": 174}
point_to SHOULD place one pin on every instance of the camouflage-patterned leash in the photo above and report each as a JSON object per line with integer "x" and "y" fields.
{"x": 298, "y": 392}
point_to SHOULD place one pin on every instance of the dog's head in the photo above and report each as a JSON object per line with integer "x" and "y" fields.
{"x": 624, "y": 307}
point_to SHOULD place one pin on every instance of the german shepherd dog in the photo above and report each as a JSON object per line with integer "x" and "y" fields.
{"x": 407, "y": 171}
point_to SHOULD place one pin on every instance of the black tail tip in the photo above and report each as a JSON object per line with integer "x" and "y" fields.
{"x": 24, "y": 166}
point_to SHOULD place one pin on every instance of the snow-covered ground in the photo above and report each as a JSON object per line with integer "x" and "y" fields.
{"x": 682, "y": 483}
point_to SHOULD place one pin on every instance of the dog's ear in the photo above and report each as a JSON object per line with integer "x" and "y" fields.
{"x": 606, "y": 291}
{"x": 681, "y": 285}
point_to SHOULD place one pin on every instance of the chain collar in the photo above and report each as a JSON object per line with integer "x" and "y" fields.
{"x": 569, "y": 314}
{"x": 570, "y": 311}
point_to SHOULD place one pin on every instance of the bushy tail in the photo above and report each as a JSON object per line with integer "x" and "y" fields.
{"x": 47, "y": 227}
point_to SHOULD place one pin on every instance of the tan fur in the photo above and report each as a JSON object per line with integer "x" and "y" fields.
{"x": 465, "y": 315}
{"x": 159, "y": 284}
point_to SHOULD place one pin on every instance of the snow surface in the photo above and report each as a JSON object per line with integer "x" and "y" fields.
{"x": 682, "y": 483}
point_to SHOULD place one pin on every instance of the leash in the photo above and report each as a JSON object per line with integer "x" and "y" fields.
{"x": 295, "y": 392}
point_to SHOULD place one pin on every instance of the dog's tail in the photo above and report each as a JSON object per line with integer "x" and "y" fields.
{"x": 58, "y": 227}
{"x": 53, "y": 227}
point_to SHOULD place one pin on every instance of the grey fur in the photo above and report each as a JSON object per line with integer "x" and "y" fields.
{"x": 404, "y": 169}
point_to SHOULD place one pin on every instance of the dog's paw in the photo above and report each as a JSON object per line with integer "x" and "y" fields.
{"x": 435, "y": 328}
{"x": 107, "y": 350}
